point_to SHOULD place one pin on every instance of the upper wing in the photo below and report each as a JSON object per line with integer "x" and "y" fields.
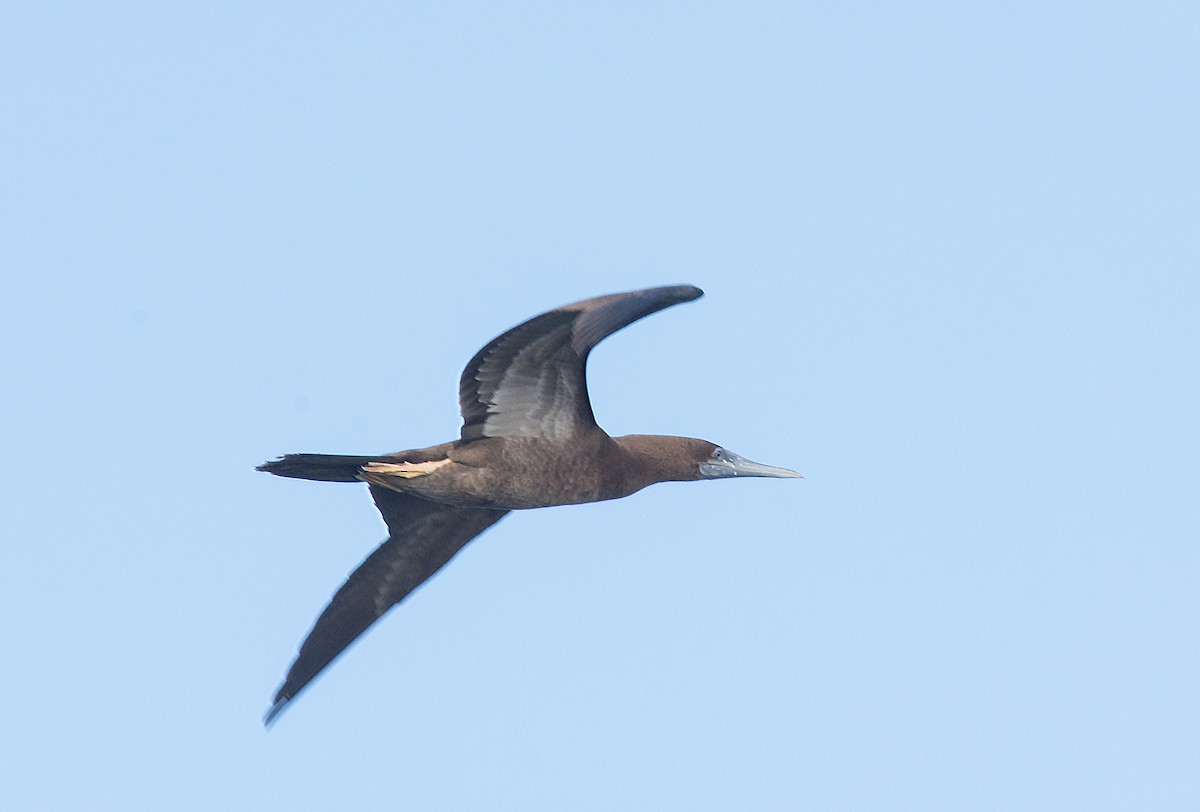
{"x": 423, "y": 536}
{"x": 530, "y": 381}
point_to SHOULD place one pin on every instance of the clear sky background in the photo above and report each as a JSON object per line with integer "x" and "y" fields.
{"x": 952, "y": 258}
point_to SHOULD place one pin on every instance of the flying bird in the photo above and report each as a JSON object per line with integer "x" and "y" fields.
{"x": 528, "y": 440}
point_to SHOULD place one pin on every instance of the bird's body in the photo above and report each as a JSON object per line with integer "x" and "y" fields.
{"x": 528, "y": 440}
{"x": 509, "y": 473}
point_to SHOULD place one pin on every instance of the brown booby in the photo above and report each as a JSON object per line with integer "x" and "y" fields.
{"x": 528, "y": 440}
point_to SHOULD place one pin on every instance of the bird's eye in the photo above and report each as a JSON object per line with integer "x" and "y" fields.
{"x": 718, "y": 454}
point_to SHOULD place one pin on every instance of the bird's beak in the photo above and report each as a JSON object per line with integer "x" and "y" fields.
{"x": 729, "y": 464}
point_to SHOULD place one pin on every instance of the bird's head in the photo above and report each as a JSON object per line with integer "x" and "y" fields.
{"x": 684, "y": 459}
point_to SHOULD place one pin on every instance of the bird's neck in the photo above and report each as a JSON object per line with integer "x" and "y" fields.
{"x": 650, "y": 458}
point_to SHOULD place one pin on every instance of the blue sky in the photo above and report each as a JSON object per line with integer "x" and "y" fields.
{"x": 951, "y": 258}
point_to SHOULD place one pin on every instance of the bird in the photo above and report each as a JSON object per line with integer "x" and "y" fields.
{"x": 528, "y": 440}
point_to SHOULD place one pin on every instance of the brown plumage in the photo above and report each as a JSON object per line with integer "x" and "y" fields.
{"x": 528, "y": 440}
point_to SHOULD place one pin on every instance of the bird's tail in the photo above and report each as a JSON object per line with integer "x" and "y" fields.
{"x": 321, "y": 467}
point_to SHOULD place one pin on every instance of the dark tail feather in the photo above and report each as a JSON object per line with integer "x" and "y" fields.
{"x": 321, "y": 467}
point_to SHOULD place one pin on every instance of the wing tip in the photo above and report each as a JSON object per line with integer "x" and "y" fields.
{"x": 280, "y": 704}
